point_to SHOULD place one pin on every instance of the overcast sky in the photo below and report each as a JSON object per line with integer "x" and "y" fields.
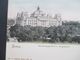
{"x": 69, "y": 9}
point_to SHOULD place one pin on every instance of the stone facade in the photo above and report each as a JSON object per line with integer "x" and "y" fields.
{"x": 38, "y": 18}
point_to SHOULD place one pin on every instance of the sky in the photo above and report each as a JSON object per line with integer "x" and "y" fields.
{"x": 69, "y": 9}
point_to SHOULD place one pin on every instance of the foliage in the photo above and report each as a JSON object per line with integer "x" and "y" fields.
{"x": 67, "y": 32}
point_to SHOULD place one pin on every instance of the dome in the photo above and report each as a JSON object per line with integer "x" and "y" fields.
{"x": 37, "y": 13}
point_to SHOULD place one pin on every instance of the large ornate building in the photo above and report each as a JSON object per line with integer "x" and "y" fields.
{"x": 38, "y": 18}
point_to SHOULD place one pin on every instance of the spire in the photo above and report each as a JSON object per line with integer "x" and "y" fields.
{"x": 38, "y": 8}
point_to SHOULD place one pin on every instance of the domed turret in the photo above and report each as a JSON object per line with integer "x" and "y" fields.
{"x": 38, "y": 8}
{"x": 37, "y": 13}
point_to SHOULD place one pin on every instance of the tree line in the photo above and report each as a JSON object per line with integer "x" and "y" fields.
{"x": 67, "y": 32}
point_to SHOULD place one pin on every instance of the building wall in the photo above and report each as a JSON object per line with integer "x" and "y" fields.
{"x": 38, "y": 18}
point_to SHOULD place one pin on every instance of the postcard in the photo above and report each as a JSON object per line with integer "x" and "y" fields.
{"x": 43, "y": 30}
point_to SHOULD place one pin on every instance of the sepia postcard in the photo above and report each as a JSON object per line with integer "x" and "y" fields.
{"x": 43, "y": 30}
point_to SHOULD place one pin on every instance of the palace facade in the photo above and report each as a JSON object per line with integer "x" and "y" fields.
{"x": 38, "y": 18}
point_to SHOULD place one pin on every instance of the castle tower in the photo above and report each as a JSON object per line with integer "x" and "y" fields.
{"x": 19, "y": 18}
{"x": 38, "y": 8}
{"x": 58, "y": 18}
